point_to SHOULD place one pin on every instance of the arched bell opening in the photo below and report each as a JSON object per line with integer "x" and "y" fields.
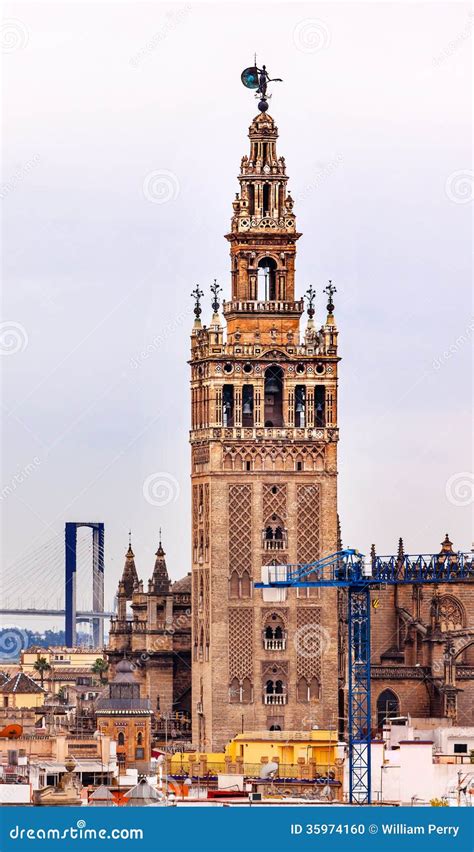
{"x": 266, "y": 279}
{"x": 274, "y": 396}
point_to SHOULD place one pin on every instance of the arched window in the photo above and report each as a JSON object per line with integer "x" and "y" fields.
{"x": 251, "y": 199}
{"x": 274, "y": 396}
{"x": 275, "y": 692}
{"x": 266, "y": 279}
{"x": 302, "y": 689}
{"x": 246, "y": 691}
{"x": 300, "y": 405}
{"x": 314, "y": 688}
{"x": 388, "y": 706}
{"x": 121, "y": 739}
{"x": 274, "y": 634}
{"x": 245, "y": 585}
{"x": 234, "y": 691}
{"x": 266, "y": 199}
{"x": 234, "y": 585}
{"x": 139, "y": 738}
{"x": 451, "y": 615}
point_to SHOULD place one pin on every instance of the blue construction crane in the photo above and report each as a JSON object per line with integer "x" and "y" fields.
{"x": 351, "y": 570}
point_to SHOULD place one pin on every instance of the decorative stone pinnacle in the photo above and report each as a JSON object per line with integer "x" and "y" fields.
{"x": 215, "y": 290}
{"x": 310, "y": 296}
{"x": 197, "y": 295}
{"x": 330, "y": 290}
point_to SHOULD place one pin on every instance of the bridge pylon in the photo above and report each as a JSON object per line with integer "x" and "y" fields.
{"x": 70, "y": 589}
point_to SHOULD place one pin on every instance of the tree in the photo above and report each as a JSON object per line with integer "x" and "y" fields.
{"x": 41, "y": 665}
{"x": 62, "y": 695}
{"x": 99, "y": 668}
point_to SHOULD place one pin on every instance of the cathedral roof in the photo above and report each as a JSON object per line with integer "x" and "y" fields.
{"x": 160, "y": 580}
{"x": 129, "y": 574}
{"x": 183, "y": 586}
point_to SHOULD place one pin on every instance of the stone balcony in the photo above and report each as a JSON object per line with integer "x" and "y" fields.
{"x": 267, "y": 307}
{"x": 274, "y": 644}
{"x": 261, "y": 434}
{"x": 274, "y": 698}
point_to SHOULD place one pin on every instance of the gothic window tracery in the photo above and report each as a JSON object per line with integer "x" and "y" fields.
{"x": 451, "y": 614}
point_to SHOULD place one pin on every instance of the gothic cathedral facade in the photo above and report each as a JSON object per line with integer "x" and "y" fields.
{"x": 264, "y": 477}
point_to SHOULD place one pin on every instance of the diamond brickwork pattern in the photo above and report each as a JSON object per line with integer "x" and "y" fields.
{"x": 240, "y": 529}
{"x": 274, "y": 502}
{"x": 240, "y": 643}
{"x": 310, "y": 641}
{"x": 308, "y": 532}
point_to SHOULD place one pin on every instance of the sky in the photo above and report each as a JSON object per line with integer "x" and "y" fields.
{"x": 125, "y": 123}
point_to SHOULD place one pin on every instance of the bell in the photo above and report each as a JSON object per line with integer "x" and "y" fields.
{"x": 247, "y": 408}
{"x": 299, "y": 407}
{"x": 272, "y": 386}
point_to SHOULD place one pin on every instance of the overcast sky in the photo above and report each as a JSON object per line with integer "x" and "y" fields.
{"x": 126, "y": 122}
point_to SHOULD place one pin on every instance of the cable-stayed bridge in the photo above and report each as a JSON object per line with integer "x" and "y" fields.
{"x": 62, "y": 577}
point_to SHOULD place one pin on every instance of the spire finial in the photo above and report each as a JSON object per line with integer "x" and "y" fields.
{"x": 197, "y": 295}
{"x": 215, "y": 290}
{"x": 330, "y": 290}
{"x": 310, "y": 296}
{"x": 259, "y": 78}
{"x": 129, "y": 538}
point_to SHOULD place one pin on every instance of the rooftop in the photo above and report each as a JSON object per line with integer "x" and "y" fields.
{"x": 21, "y": 684}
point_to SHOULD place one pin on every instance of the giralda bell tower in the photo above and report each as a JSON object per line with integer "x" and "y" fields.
{"x": 264, "y": 476}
